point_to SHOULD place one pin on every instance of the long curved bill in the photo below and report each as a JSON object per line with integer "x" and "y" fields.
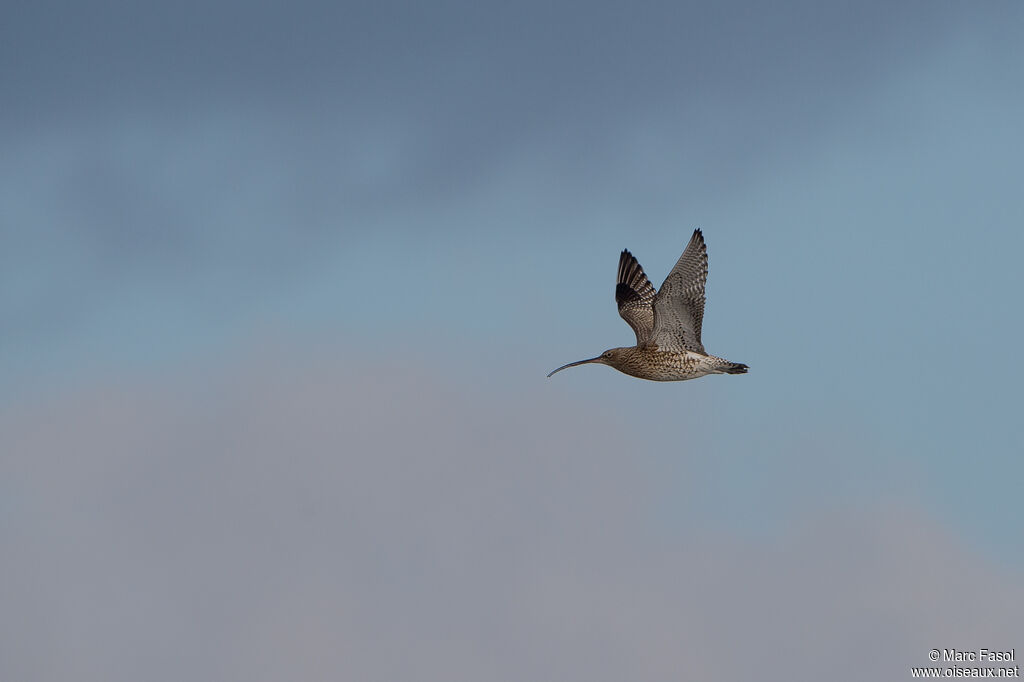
{"x": 573, "y": 364}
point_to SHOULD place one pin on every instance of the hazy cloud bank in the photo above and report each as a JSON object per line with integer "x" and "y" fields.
{"x": 380, "y": 522}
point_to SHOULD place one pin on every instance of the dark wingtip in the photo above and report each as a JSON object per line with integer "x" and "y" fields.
{"x": 696, "y": 239}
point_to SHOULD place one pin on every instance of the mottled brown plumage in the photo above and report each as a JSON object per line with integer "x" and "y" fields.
{"x": 667, "y": 324}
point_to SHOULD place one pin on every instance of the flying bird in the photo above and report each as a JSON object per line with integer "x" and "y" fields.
{"x": 667, "y": 322}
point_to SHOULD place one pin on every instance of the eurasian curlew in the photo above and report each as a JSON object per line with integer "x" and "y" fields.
{"x": 667, "y": 323}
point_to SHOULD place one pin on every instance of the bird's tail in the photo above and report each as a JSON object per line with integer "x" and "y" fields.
{"x": 731, "y": 368}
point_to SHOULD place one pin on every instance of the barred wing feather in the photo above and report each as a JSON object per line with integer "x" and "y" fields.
{"x": 634, "y": 295}
{"x": 679, "y": 304}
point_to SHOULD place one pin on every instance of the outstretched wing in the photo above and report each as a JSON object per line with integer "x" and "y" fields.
{"x": 679, "y": 304}
{"x": 635, "y": 295}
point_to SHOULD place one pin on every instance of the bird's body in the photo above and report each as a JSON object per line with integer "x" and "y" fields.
{"x": 660, "y": 365}
{"x": 667, "y": 323}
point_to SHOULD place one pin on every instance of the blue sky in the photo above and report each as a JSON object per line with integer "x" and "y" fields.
{"x": 244, "y": 215}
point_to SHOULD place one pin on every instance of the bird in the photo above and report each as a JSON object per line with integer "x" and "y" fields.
{"x": 667, "y": 323}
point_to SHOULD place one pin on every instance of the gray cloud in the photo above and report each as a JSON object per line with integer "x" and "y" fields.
{"x": 289, "y": 519}
{"x": 214, "y": 151}
{"x": 470, "y": 83}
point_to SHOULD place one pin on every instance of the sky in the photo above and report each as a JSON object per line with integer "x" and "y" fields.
{"x": 280, "y": 286}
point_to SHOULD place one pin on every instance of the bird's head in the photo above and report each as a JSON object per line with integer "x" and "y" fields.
{"x": 610, "y": 357}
